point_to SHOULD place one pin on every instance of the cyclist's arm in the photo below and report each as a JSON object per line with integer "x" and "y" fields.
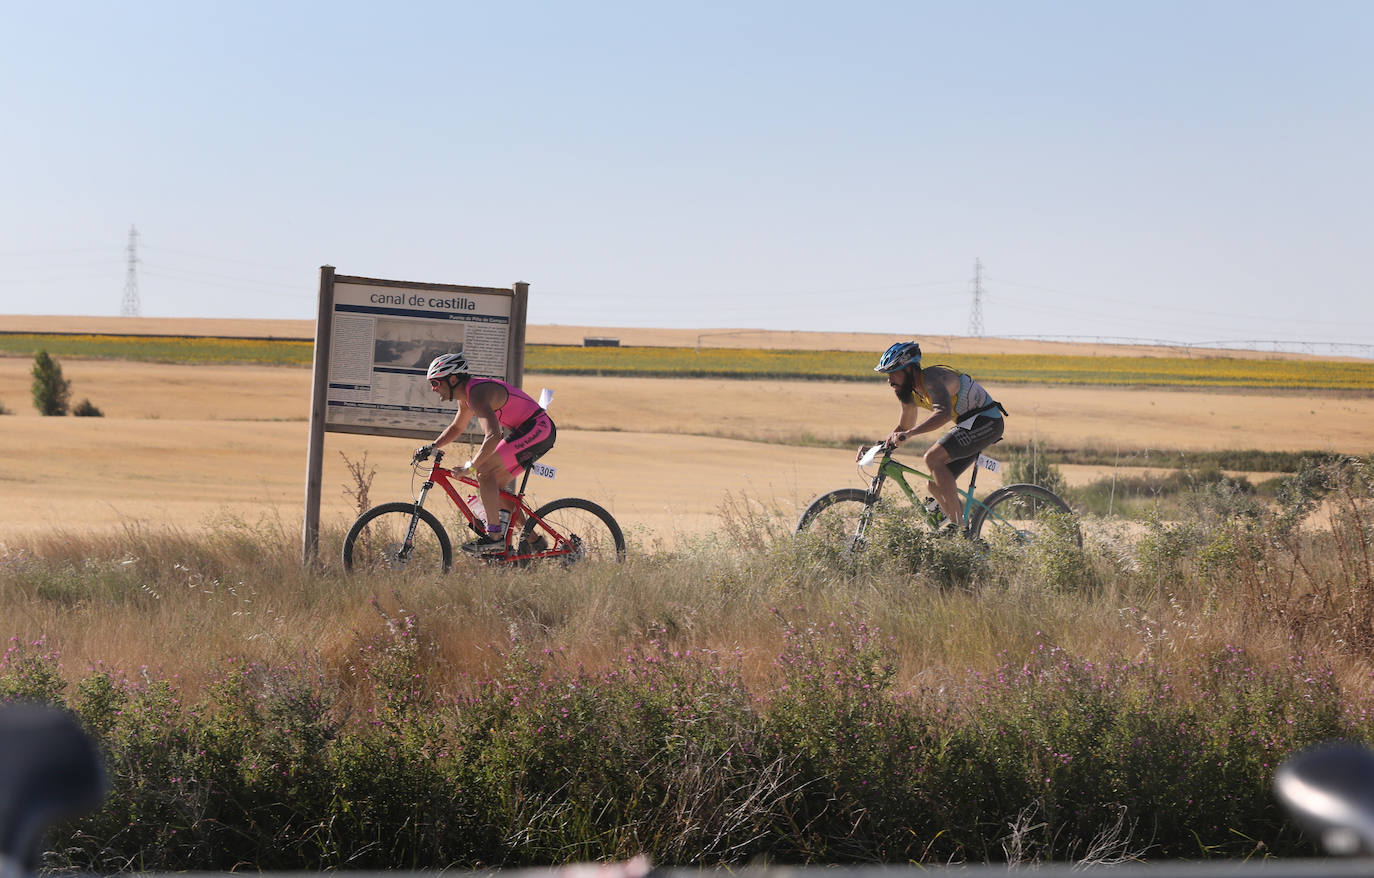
{"x": 942, "y": 412}
{"x": 905, "y": 422}
{"x": 936, "y": 420}
{"x": 456, "y": 426}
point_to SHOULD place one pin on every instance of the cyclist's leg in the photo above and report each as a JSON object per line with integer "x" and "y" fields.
{"x": 954, "y": 453}
{"x": 943, "y": 488}
{"x": 491, "y": 475}
{"x": 529, "y": 442}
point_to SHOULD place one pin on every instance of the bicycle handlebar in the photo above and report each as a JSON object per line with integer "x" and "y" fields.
{"x": 424, "y": 452}
{"x": 868, "y": 454}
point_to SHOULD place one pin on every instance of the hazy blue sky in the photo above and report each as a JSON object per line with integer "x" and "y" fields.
{"x": 1194, "y": 171}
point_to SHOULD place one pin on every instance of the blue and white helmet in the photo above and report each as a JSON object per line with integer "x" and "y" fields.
{"x": 899, "y": 356}
{"x": 447, "y": 364}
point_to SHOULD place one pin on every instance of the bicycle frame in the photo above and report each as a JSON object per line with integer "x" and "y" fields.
{"x": 1011, "y": 510}
{"x": 448, "y": 480}
{"x": 896, "y": 470}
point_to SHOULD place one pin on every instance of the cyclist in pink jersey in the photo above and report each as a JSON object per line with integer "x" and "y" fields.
{"x": 517, "y": 433}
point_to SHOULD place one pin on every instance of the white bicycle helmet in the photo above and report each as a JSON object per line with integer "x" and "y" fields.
{"x": 899, "y": 356}
{"x": 447, "y": 364}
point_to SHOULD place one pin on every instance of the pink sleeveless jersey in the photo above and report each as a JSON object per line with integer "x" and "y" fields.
{"x": 518, "y": 408}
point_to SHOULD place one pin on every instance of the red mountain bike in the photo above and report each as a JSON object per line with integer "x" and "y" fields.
{"x": 407, "y": 535}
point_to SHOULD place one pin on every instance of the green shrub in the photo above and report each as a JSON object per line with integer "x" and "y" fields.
{"x": 1031, "y": 466}
{"x": 29, "y": 672}
{"x": 904, "y": 542}
{"x": 1198, "y": 490}
{"x": 1055, "y": 559}
{"x": 1317, "y": 583}
{"x": 1299, "y": 494}
{"x": 843, "y": 745}
{"x": 50, "y": 390}
{"x": 1166, "y": 548}
{"x": 86, "y": 409}
{"x": 670, "y": 754}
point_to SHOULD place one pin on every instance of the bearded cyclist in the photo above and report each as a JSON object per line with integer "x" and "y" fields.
{"x": 517, "y": 432}
{"x": 952, "y": 397}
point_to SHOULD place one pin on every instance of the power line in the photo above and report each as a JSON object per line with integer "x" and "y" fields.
{"x": 194, "y": 255}
{"x": 1154, "y": 306}
{"x": 243, "y": 285}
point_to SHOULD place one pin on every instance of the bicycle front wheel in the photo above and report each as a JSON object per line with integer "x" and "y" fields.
{"x": 1022, "y": 514}
{"x": 395, "y": 536}
{"x": 570, "y": 531}
{"x": 839, "y": 518}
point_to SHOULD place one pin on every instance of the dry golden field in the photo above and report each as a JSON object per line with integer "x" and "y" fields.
{"x": 182, "y": 446}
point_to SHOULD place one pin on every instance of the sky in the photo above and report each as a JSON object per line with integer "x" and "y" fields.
{"x": 1192, "y": 171}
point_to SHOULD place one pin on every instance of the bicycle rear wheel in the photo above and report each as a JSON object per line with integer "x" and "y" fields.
{"x": 1022, "y": 514}
{"x": 837, "y": 518}
{"x": 571, "y": 531}
{"x": 395, "y": 536}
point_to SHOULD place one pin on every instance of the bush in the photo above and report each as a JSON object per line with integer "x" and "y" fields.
{"x": 1032, "y": 467}
{"x": 906, "y": 542}
{"x": 1055, "y": 557}
{"x": 86, "y": 409}
{"x": 670, "y": 754}
{"x": 1319, "y": 584}
{"x": 1201, "y": 491}
{"x": 51, "y": 391}
{"x": 1024, "y": 704}
{"x": 3, "y": 410}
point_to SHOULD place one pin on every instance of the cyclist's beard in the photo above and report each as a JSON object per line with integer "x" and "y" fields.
{"x": 906, "y": 391}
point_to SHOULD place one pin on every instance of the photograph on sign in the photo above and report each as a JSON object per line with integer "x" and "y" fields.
{"x": 404, "y": 343}
{"x": 401, "y": 352}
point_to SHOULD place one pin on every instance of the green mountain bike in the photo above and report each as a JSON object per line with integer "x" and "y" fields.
{"x": 1015, "y": 513}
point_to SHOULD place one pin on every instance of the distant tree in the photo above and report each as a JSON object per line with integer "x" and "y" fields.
{"x": 87, "y": 409}
{"x": 50, "y": 390}
{"x": 3, "y": 410}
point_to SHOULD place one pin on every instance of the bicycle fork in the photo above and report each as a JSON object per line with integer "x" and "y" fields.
{"x": 408, "y": 543}
{"x": 860, "y": 538}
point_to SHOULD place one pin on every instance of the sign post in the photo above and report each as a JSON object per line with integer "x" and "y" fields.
{"x": 374, "y": 340}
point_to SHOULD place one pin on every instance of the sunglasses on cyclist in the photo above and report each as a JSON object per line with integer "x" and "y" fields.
{"x": 435, "y": 382}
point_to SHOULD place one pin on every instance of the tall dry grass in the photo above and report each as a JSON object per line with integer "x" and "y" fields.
{"x": 745, "y": 693}
{"x": 1228, "y": 571}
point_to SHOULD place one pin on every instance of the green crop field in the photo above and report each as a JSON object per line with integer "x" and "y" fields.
{"x": 1201, "y": 372}
{"x": 163, "y": 348}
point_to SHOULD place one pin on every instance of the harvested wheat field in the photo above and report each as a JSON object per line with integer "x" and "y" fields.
{"x": 186, "y": 446}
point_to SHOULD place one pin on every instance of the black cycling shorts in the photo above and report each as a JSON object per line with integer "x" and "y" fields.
{"x": 528, "y": 442}
{"x": 965, "y": 443}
